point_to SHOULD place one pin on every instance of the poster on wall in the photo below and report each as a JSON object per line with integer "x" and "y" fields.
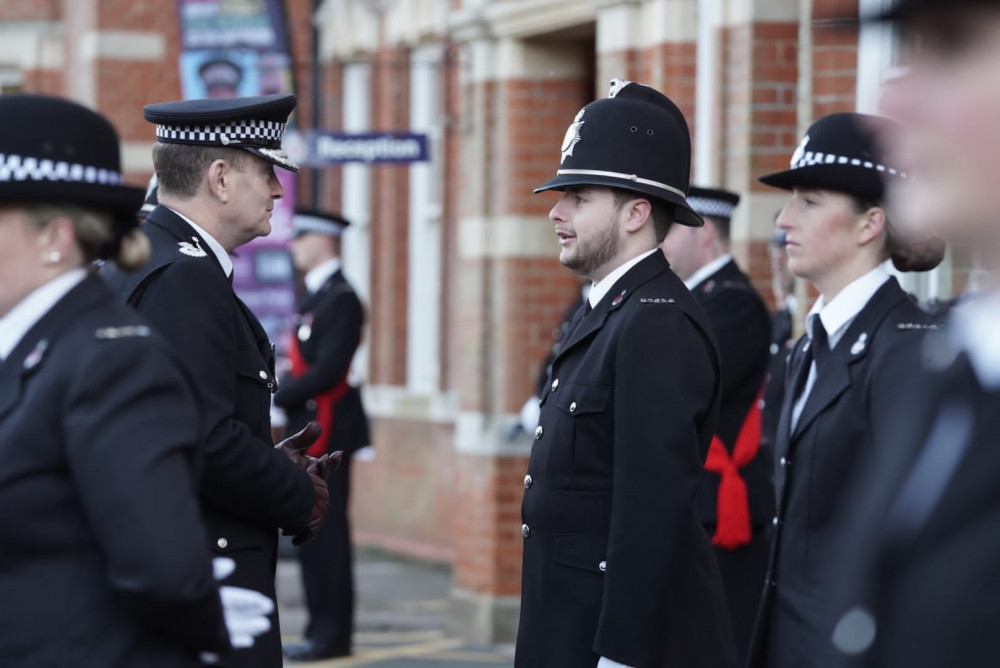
{"x": 239, "y": 48}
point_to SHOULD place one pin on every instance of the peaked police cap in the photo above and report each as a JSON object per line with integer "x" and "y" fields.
{"x": 255, "y": 124}
{"x": 714, "y": 202}
{"x": 321, "y": 222}
{"x": 839, "y": 152}
{"x": 58, "y": 151}
{"x": 636, "y": 139}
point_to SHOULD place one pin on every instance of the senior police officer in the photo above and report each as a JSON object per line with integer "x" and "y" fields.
{"x": 214, "y": 161}
{"x": 925, "y": 537}
{"x": 618, "y": 570}
{"x": 736, "y": 498}
{"x": 330, "y": 325}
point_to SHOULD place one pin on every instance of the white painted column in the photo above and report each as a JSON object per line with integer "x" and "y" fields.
{"x": 424, "y": 284}
{"x": 706, "y": 93}
{"x": 355, "y": 202}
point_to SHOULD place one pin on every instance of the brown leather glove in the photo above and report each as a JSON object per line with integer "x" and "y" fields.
{"x": 318, "y": 469}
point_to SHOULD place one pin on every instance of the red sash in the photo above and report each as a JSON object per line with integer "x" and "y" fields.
{"x": 732, "y": 526}
{"x": 324, "y": 402}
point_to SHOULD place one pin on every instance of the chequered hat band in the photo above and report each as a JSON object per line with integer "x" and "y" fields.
{"x": 243, "y": 133}
{"x": 27, "y": 168}
{"x": 811, "y": 158}
{"x": 716, "y": 208}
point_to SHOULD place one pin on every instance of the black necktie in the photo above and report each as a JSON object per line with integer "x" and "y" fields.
{"x": 587, "y": 308}
{"x": 820, "y": 345}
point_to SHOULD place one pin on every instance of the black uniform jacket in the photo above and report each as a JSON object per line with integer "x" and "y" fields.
{"x": 742, "y": 329}
{"x": 616, "y": 561}
{"x": 248, "y": 490}
{"x": 862, "y": 379}
{"x": 103, "y": 559}
{"x": 329, "y": 331}
{"x": 924, "y": 540}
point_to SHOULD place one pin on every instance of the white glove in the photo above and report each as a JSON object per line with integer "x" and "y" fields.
{"x": 608, "y": 663}
{"x": 244, "y": 610}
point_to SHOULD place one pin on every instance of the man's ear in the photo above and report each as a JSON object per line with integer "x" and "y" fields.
{"x": 219, "y": 179}
{"x": 638, "y": 213}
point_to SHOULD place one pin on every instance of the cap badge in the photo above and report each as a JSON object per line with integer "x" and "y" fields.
{"x": 572, "y": 136}
{"x": 193, "y": 250}
{"x": 800, "y": 152}
{"x": 859, "y": 345}
{"x": 36, "y": 355}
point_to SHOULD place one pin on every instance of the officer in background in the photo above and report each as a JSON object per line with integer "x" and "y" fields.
{"x": 618, "y": 570}
{"x": 214, "y": 161}
{"x": 221, "y": 77}
{"x": 925, "y": 540}
{"x": 782, "y": 336}
{"x": 330, "y": 324}
{"x": 736, "y": 497}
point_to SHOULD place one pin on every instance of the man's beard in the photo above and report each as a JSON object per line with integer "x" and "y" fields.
{"x": 589, "y": 256}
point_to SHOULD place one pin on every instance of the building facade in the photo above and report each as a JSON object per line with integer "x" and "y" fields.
{"x": 455, "y": 257}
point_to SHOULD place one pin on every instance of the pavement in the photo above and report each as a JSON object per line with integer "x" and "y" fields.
{"x": 401, "y": 618}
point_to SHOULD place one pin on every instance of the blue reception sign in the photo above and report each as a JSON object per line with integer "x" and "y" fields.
{"x": 316, "y": 148}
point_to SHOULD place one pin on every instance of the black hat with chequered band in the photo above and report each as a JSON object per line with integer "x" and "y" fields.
{"x": 256, "y": 124}
{"x": 713, "y": 202}
{"x": 635, "y": 139}
{"x": 58, "y": 151}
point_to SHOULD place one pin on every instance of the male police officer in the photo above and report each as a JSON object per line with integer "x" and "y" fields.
{"x": 617, "y": 567}
{"x": 215, "y": 160}
{"x": 736, "y": 498}
{"x": 331, "y": 319}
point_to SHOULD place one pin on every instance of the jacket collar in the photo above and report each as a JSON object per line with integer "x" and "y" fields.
{"x": 584, "y": 326}
{"x": 852, "y": 347}
{"x": 29, "y": 355}
{"x": 179, "y": 228}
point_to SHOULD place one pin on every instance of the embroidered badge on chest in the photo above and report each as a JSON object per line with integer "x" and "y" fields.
{"x": 192, "y": 250}
{"x": 572, "y": 136}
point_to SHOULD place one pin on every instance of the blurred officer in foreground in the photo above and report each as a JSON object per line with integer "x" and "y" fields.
{"x": 103, "y": 561}
{"x": 618, "y": 570}
{"x": 736, "y": 497}
{"x": 928, "y": 531}
{"x": 330, "y": 323}
{"x": 862, "y": 339}
{"x": 214, "y": 161}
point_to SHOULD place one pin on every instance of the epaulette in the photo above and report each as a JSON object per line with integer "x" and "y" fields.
{"x": 107, "y": 333}
{"x": 916, "y": 325}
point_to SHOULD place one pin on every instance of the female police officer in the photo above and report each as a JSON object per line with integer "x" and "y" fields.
{"x": 862, "y": 335}
{"x": 103, "y": 560}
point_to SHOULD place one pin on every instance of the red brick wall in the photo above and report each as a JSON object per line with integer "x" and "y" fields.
{"x": 487, "y": 530}
{"x": 31, "y": 10}
{"x": 406, "y": 498}
{"x": 835, "y": 62}
{"x": 390, "y": 218}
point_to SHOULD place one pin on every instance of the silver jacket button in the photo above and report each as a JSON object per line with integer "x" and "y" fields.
{"x": 223, "y": 543}
{"x": 572, "y": 407}
{"x": 538, "y": 432}
{"x": 263, "y": 375}
{"x": 555, "y": 385}
{"x": 525, "y": 530}
{"x": 603, "y": 566}
{"x": 528, "y": 481}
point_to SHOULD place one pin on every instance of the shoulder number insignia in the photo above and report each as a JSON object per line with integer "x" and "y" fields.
{"x": 656, "y": 300}
{"x": 106, "y": 333}
{"x": 192, "y": 250}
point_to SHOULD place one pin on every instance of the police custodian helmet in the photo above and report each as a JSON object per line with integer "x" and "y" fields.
{"x": 635, "y": 139}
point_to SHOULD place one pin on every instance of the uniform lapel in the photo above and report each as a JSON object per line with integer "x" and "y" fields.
{"x": 798, "y": 370}
{"x": 852, "y": 347}
{"x": 30, "y": 353}
{"x": 178, "y": 228}
{"x": 589, "y": 324}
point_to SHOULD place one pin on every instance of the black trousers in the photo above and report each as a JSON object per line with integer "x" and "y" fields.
{"x": 743, "y": 572}
{"x": 328, "y": 570}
